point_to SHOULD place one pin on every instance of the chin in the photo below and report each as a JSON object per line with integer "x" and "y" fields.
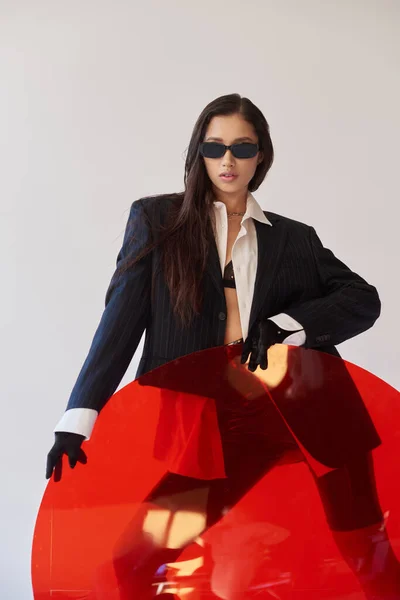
{"x": 227, "y": 187}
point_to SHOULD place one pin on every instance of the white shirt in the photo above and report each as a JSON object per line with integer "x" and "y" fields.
{"x": 244, "y": 260}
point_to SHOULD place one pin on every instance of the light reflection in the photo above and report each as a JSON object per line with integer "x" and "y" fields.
{"x": 173, "y": 530}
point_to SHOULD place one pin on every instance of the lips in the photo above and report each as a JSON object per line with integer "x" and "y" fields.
{"x": 228, "y": 175}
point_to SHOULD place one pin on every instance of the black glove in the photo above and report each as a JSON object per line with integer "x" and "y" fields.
{"x": 65, "y": 443}
{"x": 263, "y": 335}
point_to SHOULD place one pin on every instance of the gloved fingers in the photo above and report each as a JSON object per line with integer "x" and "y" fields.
{"x": 68, "y": 444}
{"x": 252, "y": 365}
{"x": 58, "y": 471}
{"x": 253, "y": 360}
{"x": 251, "y": 343}
{"x": 246, "y": 351}
{"x": 52, "y": 459}
{"x": 253, "y": 356}
{"x": 82, "y": 457}
{"x": 76, "y": 455}
{"x": 49, "y": 467}
{"x": 262, "y": 357}
{"x": 259, "y": 358}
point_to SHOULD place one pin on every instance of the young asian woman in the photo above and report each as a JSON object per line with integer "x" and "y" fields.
{"x": 208, "y": 267}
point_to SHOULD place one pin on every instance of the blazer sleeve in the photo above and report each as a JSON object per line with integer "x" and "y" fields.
{"x": 347, "y": 307}
{"x": 127, "y": 310}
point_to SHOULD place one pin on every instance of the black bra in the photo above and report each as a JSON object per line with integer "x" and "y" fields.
{"x": 229, "y": 276}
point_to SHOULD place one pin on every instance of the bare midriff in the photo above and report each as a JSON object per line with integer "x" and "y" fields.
{"x": 233, "y": 329}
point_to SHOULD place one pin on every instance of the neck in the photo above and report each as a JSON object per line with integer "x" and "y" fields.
{"x": 235, "y": 202}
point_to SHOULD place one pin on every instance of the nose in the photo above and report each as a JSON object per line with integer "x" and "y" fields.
{"x": 228, "y": 157}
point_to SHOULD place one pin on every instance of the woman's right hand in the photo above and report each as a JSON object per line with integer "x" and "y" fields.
{"x": 65, "y": 443}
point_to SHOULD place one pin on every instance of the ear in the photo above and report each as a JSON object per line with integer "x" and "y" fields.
{"x": 260, "y": 158}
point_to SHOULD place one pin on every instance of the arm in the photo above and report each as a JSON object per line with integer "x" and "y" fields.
{"x": 348, "y": 306}
{"x": 127, "y": 309}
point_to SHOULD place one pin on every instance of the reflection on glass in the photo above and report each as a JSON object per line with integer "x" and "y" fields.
{"x": 232, "y": 485}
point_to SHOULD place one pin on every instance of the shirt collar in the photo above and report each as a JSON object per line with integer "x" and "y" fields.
{"x": 253, "y": 210}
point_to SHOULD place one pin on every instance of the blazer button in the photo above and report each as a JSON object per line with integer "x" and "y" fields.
{"x": 222, "y": 316}
{"x": 323, "y": 338}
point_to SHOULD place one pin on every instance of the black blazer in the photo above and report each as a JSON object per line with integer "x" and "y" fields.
{"x": 295, "y": 275}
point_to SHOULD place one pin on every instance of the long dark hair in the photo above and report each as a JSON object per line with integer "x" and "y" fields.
{"x": 185, "y": 239}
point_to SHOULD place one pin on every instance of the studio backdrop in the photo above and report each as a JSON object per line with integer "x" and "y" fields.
{"x": 97, "y": 104}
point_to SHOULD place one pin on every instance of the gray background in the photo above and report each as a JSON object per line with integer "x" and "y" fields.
{"x": 98, "y": 101}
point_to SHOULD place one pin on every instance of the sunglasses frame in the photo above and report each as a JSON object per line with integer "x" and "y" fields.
{"x": 231, "y": 148}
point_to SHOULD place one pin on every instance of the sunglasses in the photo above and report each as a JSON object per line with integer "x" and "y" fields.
{"x": 217, "y": 150}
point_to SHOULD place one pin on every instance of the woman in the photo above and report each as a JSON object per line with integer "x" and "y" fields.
{"x": 205, "y": 268}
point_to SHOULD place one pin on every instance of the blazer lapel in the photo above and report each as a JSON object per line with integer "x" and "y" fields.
{"x": 271, "y": 242}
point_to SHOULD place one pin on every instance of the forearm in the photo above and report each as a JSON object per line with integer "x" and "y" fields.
{"x": 338, "y": 316}
{"x": 127, "y": 310}
{"x": 114, "y": 343}
{"x": 348, "y": 305}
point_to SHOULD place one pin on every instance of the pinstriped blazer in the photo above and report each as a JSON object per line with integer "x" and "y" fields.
{"x": 296, "y": 275}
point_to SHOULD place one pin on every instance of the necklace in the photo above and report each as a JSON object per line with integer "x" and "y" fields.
{"x": 236, "y": 214}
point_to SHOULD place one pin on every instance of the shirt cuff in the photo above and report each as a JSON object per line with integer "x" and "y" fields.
{"x": 78, "y": 420}
{"x": 286, "y": 322}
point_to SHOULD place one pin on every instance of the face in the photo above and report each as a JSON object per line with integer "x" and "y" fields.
{"x": 229, "y": 129}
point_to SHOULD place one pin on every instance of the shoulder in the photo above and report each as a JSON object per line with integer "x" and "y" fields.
{"x": 158, "y": 203}
{"x": 150, "y": 211}
{"x": 287, "y": 222}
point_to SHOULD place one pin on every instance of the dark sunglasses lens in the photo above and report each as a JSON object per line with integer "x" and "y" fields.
{"x": 216, "y": 150}
{"x": 212, "y": 150}
{"x": 244, "y": 150}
